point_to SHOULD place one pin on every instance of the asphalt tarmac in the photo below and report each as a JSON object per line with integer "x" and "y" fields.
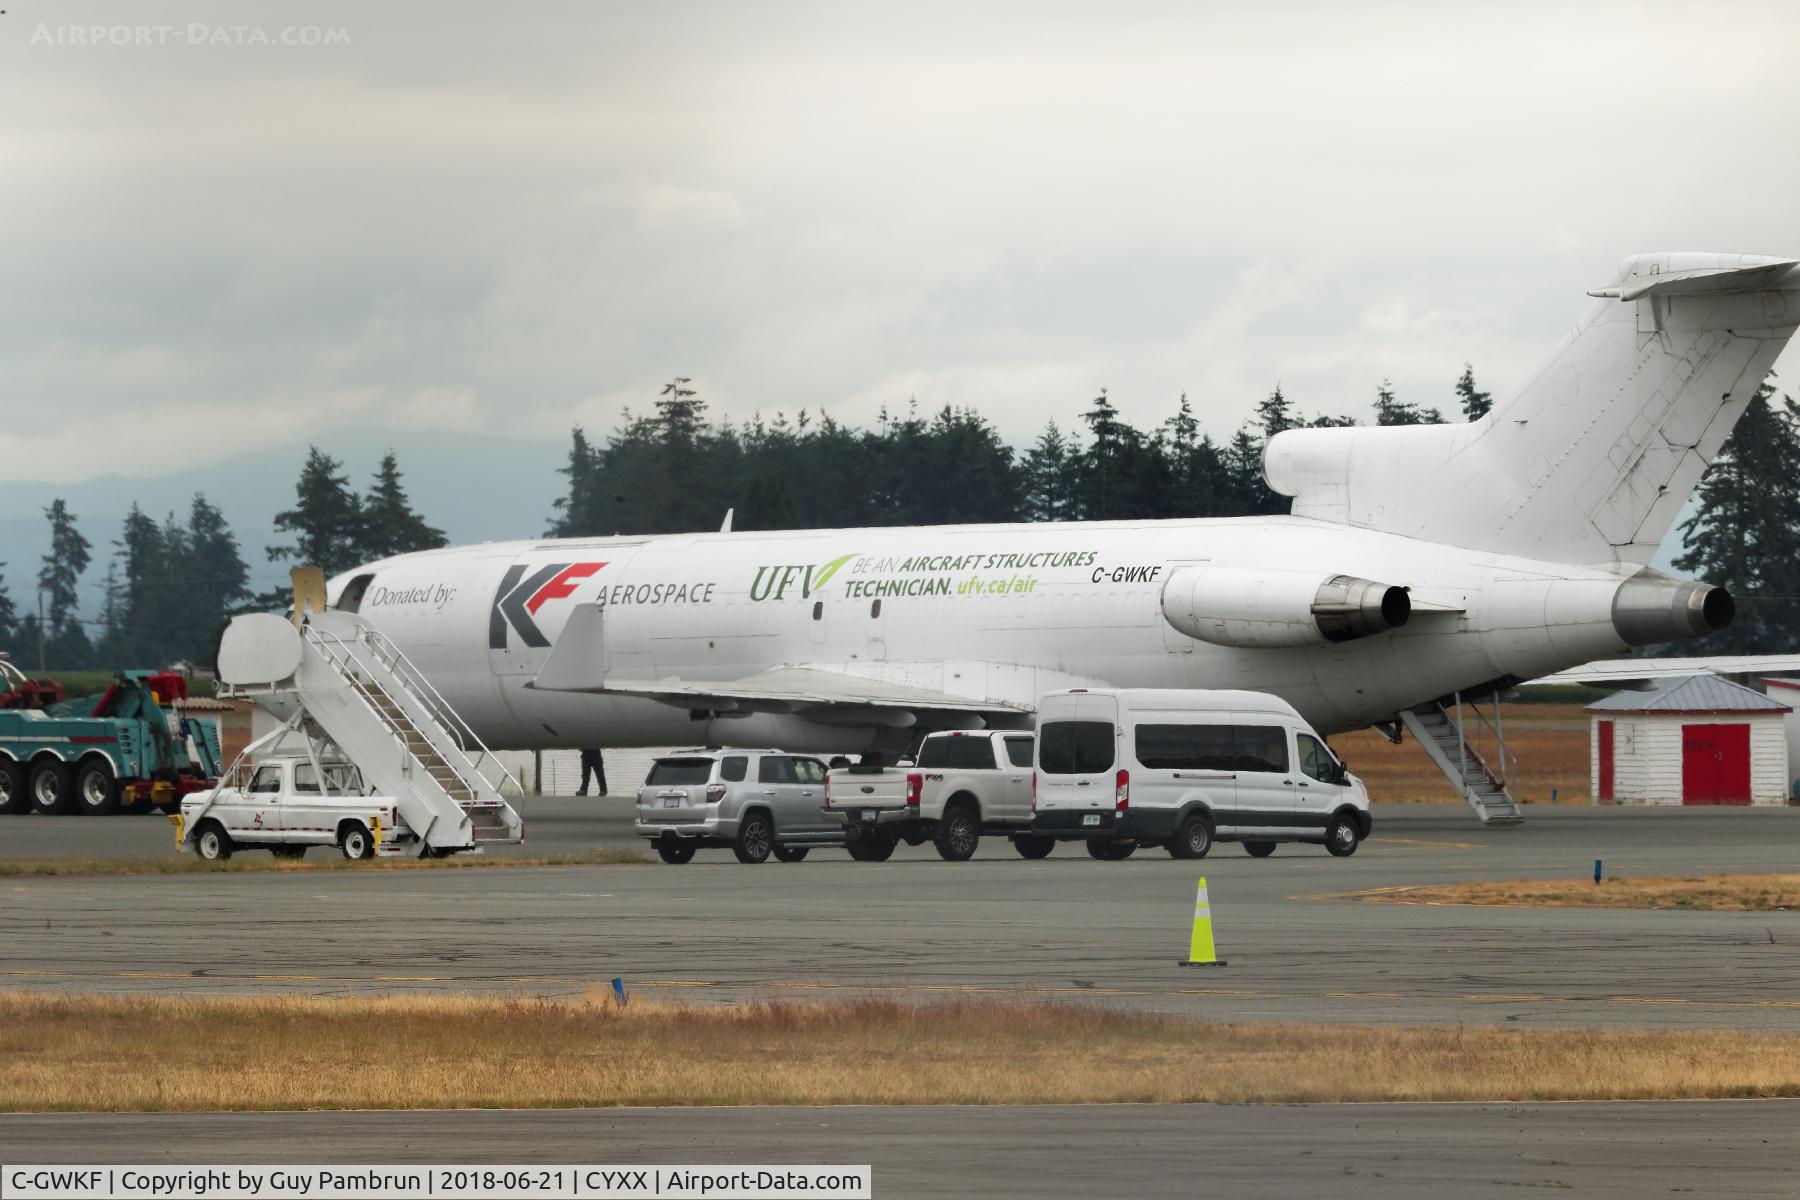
{"x": 1066, "y": 927}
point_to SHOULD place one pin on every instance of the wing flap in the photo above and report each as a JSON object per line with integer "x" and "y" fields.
{"x": 1631, "y": 670}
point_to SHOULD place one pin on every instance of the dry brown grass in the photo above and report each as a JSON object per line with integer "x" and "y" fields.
{"x": 1550, "y": 742}
{"x": 328, "y": 860}
{"x": 1711, "y": 893}
{"x": 87, "y": 1053}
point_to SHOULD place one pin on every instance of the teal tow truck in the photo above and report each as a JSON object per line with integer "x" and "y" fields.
{"x": 130, "y": 749}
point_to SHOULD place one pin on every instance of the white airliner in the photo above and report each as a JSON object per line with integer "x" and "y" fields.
{"x": 1419, "y": 562}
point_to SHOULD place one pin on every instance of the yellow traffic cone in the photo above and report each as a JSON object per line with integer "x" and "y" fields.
{"x": 1200, "y": 949}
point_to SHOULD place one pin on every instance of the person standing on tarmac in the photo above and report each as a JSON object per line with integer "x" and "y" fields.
{"x": 592, "y": 765}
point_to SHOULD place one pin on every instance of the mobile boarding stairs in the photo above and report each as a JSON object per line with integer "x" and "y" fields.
{"x": 355, "y": 695}
{"x": 1468, "y": 748}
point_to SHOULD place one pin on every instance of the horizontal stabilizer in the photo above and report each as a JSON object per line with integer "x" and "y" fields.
{"x": 1633, "y": 670}
{"x": 1703, "y": 281}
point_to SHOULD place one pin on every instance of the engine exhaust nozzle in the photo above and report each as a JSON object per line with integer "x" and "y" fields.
{"x": 1346, "y": 607}
{"x": 1650, "y": 608}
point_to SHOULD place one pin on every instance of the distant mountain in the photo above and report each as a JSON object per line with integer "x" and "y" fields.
{"x": 474, "y": 487}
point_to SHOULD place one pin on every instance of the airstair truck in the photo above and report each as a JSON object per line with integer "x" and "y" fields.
{"x": 133, "y": 748}
{"x": 347, "y": 695}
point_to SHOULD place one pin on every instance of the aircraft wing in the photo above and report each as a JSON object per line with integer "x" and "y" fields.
{"x": 1631, "y": 670}
{"x": 832, "y": 696}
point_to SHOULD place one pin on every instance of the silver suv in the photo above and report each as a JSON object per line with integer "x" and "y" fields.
{"x": 754, "y": 801}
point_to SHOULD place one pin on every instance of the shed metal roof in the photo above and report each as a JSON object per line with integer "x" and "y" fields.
{"x": 1690, "y": 694}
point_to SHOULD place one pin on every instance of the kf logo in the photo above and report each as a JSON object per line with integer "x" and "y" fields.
{"x": 520, "y": 596}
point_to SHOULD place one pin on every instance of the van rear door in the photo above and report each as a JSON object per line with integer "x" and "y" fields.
{"x": 1077, "y": 754}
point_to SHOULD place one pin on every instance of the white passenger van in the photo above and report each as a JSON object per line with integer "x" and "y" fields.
{"x": 1123, "y": 768}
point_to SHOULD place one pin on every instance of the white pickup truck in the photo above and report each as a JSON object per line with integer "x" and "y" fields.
{"x": 280, "y": 806}
{"x": 964, "y": 783}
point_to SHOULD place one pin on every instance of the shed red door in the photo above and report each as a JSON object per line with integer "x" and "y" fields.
{"x": 1715, "y": 764}
{"x": 1604, "y": 734}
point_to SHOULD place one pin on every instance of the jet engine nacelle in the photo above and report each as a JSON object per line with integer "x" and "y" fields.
{"x": 1231, "y": 606}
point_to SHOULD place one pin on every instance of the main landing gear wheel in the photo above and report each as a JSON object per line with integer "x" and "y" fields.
{"x": 1111, "y": 851}
{"x": 874, "y": 847}
{"x": 791, "y": 853}
{"x": 1259, "y": 849}
{"x": 288, "y": 851}
{"x": 1034, "y": 847}
{"x": 672, "y": 851}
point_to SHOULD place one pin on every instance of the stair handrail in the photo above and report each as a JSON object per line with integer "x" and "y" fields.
{"x": 403, "y": 669}
{"x": 1505, "y": 760}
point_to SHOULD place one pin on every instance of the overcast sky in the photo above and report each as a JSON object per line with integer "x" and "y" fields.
{"x": 490, "y": 217}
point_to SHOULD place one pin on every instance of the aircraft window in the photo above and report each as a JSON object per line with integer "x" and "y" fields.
{"x": 1186, "y": 747}
{"x": 1315, "y": 760}
{"x": 818, "y": 610}
{"x": 875, "y": 608}
{"x": 267, "y": 779}
{"x": 679, "y": 771}
{"x": 958, "y": 753}
{"x": 809, "y": 770}
{"x": 1018, "y": 751}
{"x": 1075, "y": 747}
{"x": 1261, "y": 747}
{"x": 775, "y": 768}
{"x": 732, "y": 769}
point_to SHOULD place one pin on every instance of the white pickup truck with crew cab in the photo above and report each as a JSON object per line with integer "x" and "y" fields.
{"x": 279, "y": 805}
{"x": 963, "y": 784}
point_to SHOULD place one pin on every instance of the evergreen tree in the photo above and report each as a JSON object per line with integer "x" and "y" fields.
{"x": 679, "y": 412}
{"x": 220, "y": 579}
{"x": 1745, "y": 531}
{"x": 1099, "y": 463}
{"x": 1392, "y": 411}
{"x": 326, "y": 521}
{"x": 9, "y": 622}
{"x": 1048, "y": 477}
{"x": 1475, "y": 404}
{"x": 1275, "y": 414}
{"x": 576, "y": 516}
{"x": 62, "y": 569}
{"x": 389, "y": 524}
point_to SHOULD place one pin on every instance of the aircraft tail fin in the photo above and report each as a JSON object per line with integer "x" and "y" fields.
{"x": 1592, "y": 459}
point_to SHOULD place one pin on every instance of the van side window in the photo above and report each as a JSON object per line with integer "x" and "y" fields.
{"x": 1315, "y": 760}
{"x": 958, "y": 753}
{"x": 1075, "y": 747}
{"x": 1018, "y": 751}
{"x": 1186, "y": 747}
{"x": 1260, "y": 747}
{"x": 775, "y": 768}
{"x": 732, "y": 768}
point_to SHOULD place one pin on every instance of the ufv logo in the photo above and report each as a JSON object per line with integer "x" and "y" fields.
{"x": 521, "y": 595}
{"x": 772, "y": 583}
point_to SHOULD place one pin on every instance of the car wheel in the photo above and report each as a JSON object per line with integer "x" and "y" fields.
{"x": 51, "y": 787}
{"x": 288, "y": 851}
{"x": 356, "y": 843}
{"x": 755, "y": 838}
{"x": 97, "y": 789}
{"x": 958, "y": 834}
{"x": 1029, "y": 846}
{"x": 674, "y": 852}
{"x": 212, "y": 843}
{"x": 1259, "y": 849}
{"x": 791, "y": 853}
{"x": 15, "y": 797}
{"x": 1193, "y": 840}
{"x": 1343, "y": 837}
{"x": 1113, "y": 851}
